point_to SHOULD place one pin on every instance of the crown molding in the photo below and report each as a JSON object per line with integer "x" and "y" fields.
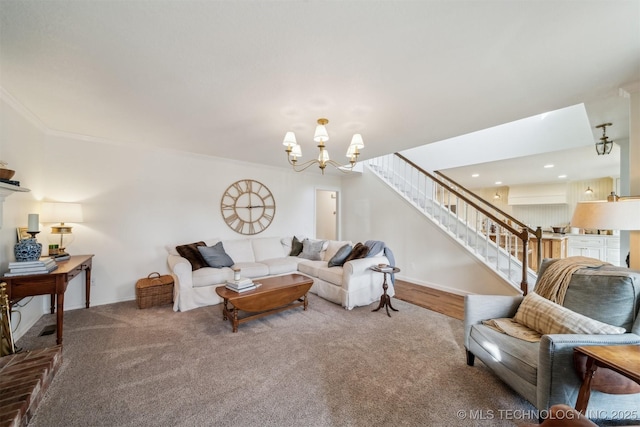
{"x": 22, "y": 110}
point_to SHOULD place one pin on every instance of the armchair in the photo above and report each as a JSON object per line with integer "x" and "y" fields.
{"x": 543, "y": 372}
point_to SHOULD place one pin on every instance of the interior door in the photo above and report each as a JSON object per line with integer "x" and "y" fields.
{"x": 326, "y": 214}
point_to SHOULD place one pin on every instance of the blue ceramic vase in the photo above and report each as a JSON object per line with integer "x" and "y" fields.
{"x": 28, "y": 250}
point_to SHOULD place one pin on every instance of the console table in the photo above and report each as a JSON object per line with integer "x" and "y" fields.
{"x": 54, "y": 284}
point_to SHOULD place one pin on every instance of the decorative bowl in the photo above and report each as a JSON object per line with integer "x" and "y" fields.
{"x": 6, "y": 173}
{"x": 558, "y": 230}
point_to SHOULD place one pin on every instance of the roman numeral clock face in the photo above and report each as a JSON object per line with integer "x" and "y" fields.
{"x": 248, "y": 206}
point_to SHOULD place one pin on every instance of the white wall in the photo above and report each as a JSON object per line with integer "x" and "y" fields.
{"x": 22, "y": 147}
{"x": 424, "y": 253}
{"x": 135, "y": 201}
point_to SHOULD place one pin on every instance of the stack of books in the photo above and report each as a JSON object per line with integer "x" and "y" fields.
{"x": 61, "y": 257}
{"x": 242, "y": 285}
{"x": 10, "y": 181}
{"x": 24, "y": 268}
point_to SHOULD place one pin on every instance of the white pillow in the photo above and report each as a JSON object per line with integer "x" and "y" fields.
{"x": 267, "y": 248}
{"x": 240, "y": 250}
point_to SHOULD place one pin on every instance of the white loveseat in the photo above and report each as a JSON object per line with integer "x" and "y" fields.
{"x": 351, "y": 285}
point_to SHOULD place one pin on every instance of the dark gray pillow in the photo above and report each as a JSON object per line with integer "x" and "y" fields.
{"x": 311, "y": 249}
{"x": 296, "y": 247}
{"x": 338, "y": 259}
{"x": 215, "y": 256}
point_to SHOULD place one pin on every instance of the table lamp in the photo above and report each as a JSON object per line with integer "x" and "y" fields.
{"x": 61, "y": 213}
{"x": 615, "y": 213}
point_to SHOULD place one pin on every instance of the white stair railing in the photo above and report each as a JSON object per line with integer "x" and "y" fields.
{"x": 490, "y": 234}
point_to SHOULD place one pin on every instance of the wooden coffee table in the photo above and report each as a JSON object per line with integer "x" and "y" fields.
{"x": 275, "y": 294}
{"x": 623, "y": 359}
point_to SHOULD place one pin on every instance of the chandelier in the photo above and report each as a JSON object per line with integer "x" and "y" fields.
{"x": 604, "y": 146}
{"x": 321, "y": 136}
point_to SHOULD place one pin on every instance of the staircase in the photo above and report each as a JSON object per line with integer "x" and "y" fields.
{"x": 493, "y": 236}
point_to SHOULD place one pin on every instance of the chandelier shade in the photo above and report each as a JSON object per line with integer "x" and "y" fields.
{"x": 321, "y": 134}
{"x": 296, "y": 151}
{"x": 356, "y": 141}
{"x": 290, "y": 140}
{"x": 323, "y": 156}
{"x": 355, "y": 146}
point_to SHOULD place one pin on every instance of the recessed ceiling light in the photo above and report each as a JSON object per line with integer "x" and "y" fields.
{"x": 548, "y": 166}
{"x": 475, "y": 175}
{"x": 562, "y": 176}
{"x": 498, "y": 182}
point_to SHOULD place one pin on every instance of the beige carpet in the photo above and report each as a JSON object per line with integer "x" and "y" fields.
{"x": 322, "y": 367}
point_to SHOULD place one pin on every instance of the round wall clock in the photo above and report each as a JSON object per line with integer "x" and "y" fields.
{"x": 248, "y": 206}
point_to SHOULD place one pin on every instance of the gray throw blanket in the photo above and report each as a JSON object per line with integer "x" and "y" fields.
{"x": 375, "y": 247}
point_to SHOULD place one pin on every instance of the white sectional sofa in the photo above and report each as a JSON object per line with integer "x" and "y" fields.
{"x": 351, "y": 285}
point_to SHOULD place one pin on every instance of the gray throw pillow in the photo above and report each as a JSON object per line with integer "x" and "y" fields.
{"x": 338, "y": 259}
{"x": 311, "y": 249}
{"x": 215, "y": 256}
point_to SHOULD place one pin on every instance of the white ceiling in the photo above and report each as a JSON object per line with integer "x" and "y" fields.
{"x": 553, "y": 147}
{"x": 228, "y": 79}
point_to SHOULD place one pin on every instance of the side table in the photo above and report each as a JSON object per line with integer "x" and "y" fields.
{"x": 54, "y": 284}
{"x": 385, "y": 300}
{"x": 623, "y": 359}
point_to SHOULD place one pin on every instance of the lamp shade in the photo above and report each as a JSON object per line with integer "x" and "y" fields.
{"x": 323, "y": 156}
{"x": 61, "y": 212}
{"x": 621, "y": 215}
{"x": 356, "y": 141}
{"x": 351, "y": 151}
{"x": 296, "y": 151}
{"x": 290, "y": 139}
{"x": 321, "y": 134}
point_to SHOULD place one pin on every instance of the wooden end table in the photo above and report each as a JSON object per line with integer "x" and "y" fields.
{"x": 385, "y": 300}
{"x": 623, "y": 359}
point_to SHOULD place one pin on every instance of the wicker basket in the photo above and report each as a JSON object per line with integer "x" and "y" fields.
{"x": 154, "y": 290}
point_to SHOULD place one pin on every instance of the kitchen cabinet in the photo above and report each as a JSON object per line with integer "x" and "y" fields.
{"x": 553, "y": 246}
{"x": 602, "y": 247}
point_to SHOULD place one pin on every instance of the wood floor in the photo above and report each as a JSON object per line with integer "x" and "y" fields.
{"x": 435, "y": 300}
